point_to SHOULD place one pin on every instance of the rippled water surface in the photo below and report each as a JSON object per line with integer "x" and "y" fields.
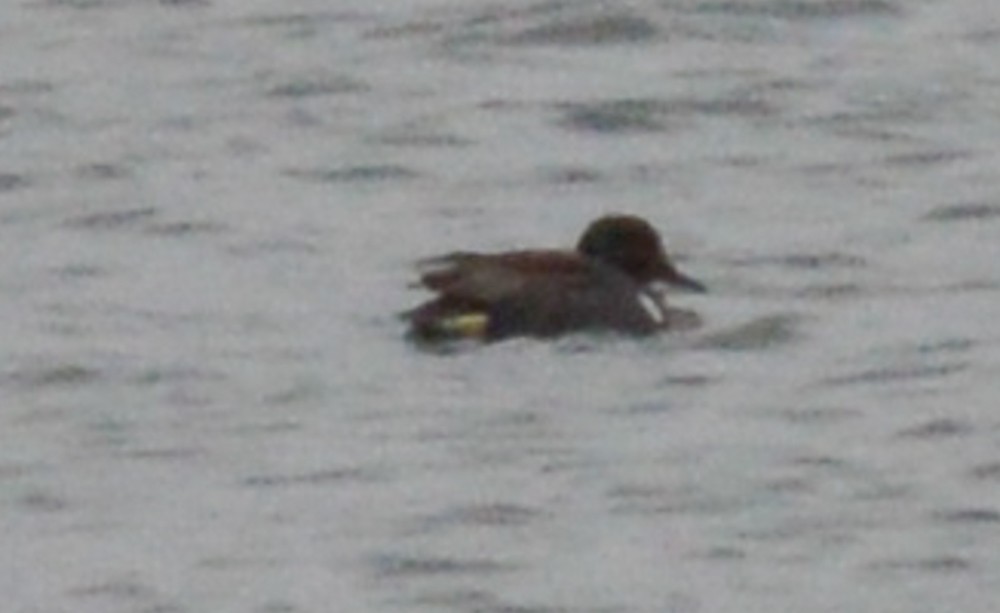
{"x": 209, "y": 211}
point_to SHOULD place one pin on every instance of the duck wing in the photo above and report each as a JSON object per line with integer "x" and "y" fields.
{"x": 537, "y": 293}
{"x": 485, "y": 279}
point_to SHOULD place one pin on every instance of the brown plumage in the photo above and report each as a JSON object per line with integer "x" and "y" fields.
{"x": 603, "y": 285}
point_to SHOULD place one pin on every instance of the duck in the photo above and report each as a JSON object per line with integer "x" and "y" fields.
{"x": 611, "y": 282}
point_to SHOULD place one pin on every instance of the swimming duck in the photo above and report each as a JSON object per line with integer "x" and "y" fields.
{"x": 609, "y": 282}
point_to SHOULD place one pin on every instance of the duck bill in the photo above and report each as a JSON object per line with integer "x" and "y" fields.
{"x": 674, "y": 278}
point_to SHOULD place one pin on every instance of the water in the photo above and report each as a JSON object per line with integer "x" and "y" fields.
{"x": 208, "y": 215}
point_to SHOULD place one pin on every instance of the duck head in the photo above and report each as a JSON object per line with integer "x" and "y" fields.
{"x": 632, "y": 245}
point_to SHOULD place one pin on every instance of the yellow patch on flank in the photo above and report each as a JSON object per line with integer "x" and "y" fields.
{"x": 467, "y": 324}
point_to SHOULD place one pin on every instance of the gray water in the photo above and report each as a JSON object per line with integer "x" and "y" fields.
{"x": 209, "y": 212}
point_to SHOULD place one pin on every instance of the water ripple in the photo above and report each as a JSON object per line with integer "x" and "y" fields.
{"x": 113, "y": 220}
{"x": 10, "y": 181}
{"x": 964, "y": 211}
{"x": 404, "y": 567}
{"x": 892, "y": 374}
{"x": 761, "y": 333}
{"x": 657, "y": 115}
{"x": 589, "y": 30}
{"x": 969, "y": 516}
{"x": 938, "y": 428}
{"x": 66, "y": 375}
{"x": 803, "y": 10}
{"x": 376, "y": 173}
